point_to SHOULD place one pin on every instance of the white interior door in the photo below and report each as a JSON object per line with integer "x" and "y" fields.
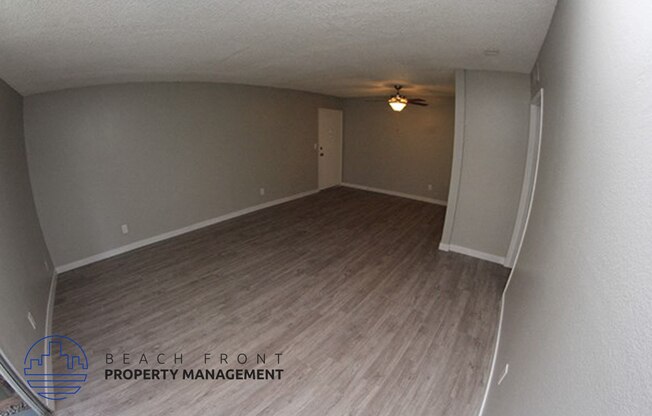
{"x": 529, "y": 179}
{"x": 329, "y": 148}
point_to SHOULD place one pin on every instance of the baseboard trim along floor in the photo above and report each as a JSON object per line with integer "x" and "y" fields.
{"x": 151, "y": 240}
{"x": 473, "y": 253}
{"x": 394, "y": 193}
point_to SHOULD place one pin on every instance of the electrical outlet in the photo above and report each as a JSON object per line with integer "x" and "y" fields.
{"x": 262, "y": 191}
{"x": 505, "y": 371}
{"x": 125, "y": 229}
{"x": 31, "y": 320}
{"x": 430, "y": 187}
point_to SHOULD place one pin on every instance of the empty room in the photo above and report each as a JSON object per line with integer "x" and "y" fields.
{"x": 326, "y": 208}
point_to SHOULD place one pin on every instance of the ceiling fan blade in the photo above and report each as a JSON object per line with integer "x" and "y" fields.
{"x": 375, "y": 100}
{"x": 414, "y": 100}
{"x": 421, "y": 103}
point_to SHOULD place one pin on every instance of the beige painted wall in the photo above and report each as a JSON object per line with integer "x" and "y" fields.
{"x": 162, "y": 156}
{"x": 400, "y": 152}
{"x": 493, "y": 160}
{"x": 577, "y": 328}
{"x": 24, "y": 278}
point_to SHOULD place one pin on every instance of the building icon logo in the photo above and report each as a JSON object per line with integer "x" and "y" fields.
{"x": 68, "y": 371}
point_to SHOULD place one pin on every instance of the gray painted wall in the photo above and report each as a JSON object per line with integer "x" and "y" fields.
{"x": 577, "y": 329}
{"x": 162, "y": 156}
{"x": 24, "y": 279}
{"x": 493, "y": 160}
{"x": 401, "y": 152}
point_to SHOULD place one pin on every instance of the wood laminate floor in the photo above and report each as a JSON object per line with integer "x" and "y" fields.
{"x": 348, "y": 285}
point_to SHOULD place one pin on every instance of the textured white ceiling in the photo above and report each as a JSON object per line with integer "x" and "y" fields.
{"x": 337, "y": 47}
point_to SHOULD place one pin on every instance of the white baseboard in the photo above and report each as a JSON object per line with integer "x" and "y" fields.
{"x": 50, "y": 311}
{"x": 473, "y": 253}
{"x": 151, "y": 240}
{"x": 394, "y": 193}
{"x": 49, "y": 315}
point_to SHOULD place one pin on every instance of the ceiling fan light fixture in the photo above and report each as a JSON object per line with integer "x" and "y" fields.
{"x": 397, "y": 103}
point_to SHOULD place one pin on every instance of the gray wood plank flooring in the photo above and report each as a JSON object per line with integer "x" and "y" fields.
{"x": 349, "y": 285}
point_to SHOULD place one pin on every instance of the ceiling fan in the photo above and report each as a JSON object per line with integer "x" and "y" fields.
{"x": 398, "y": 102}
